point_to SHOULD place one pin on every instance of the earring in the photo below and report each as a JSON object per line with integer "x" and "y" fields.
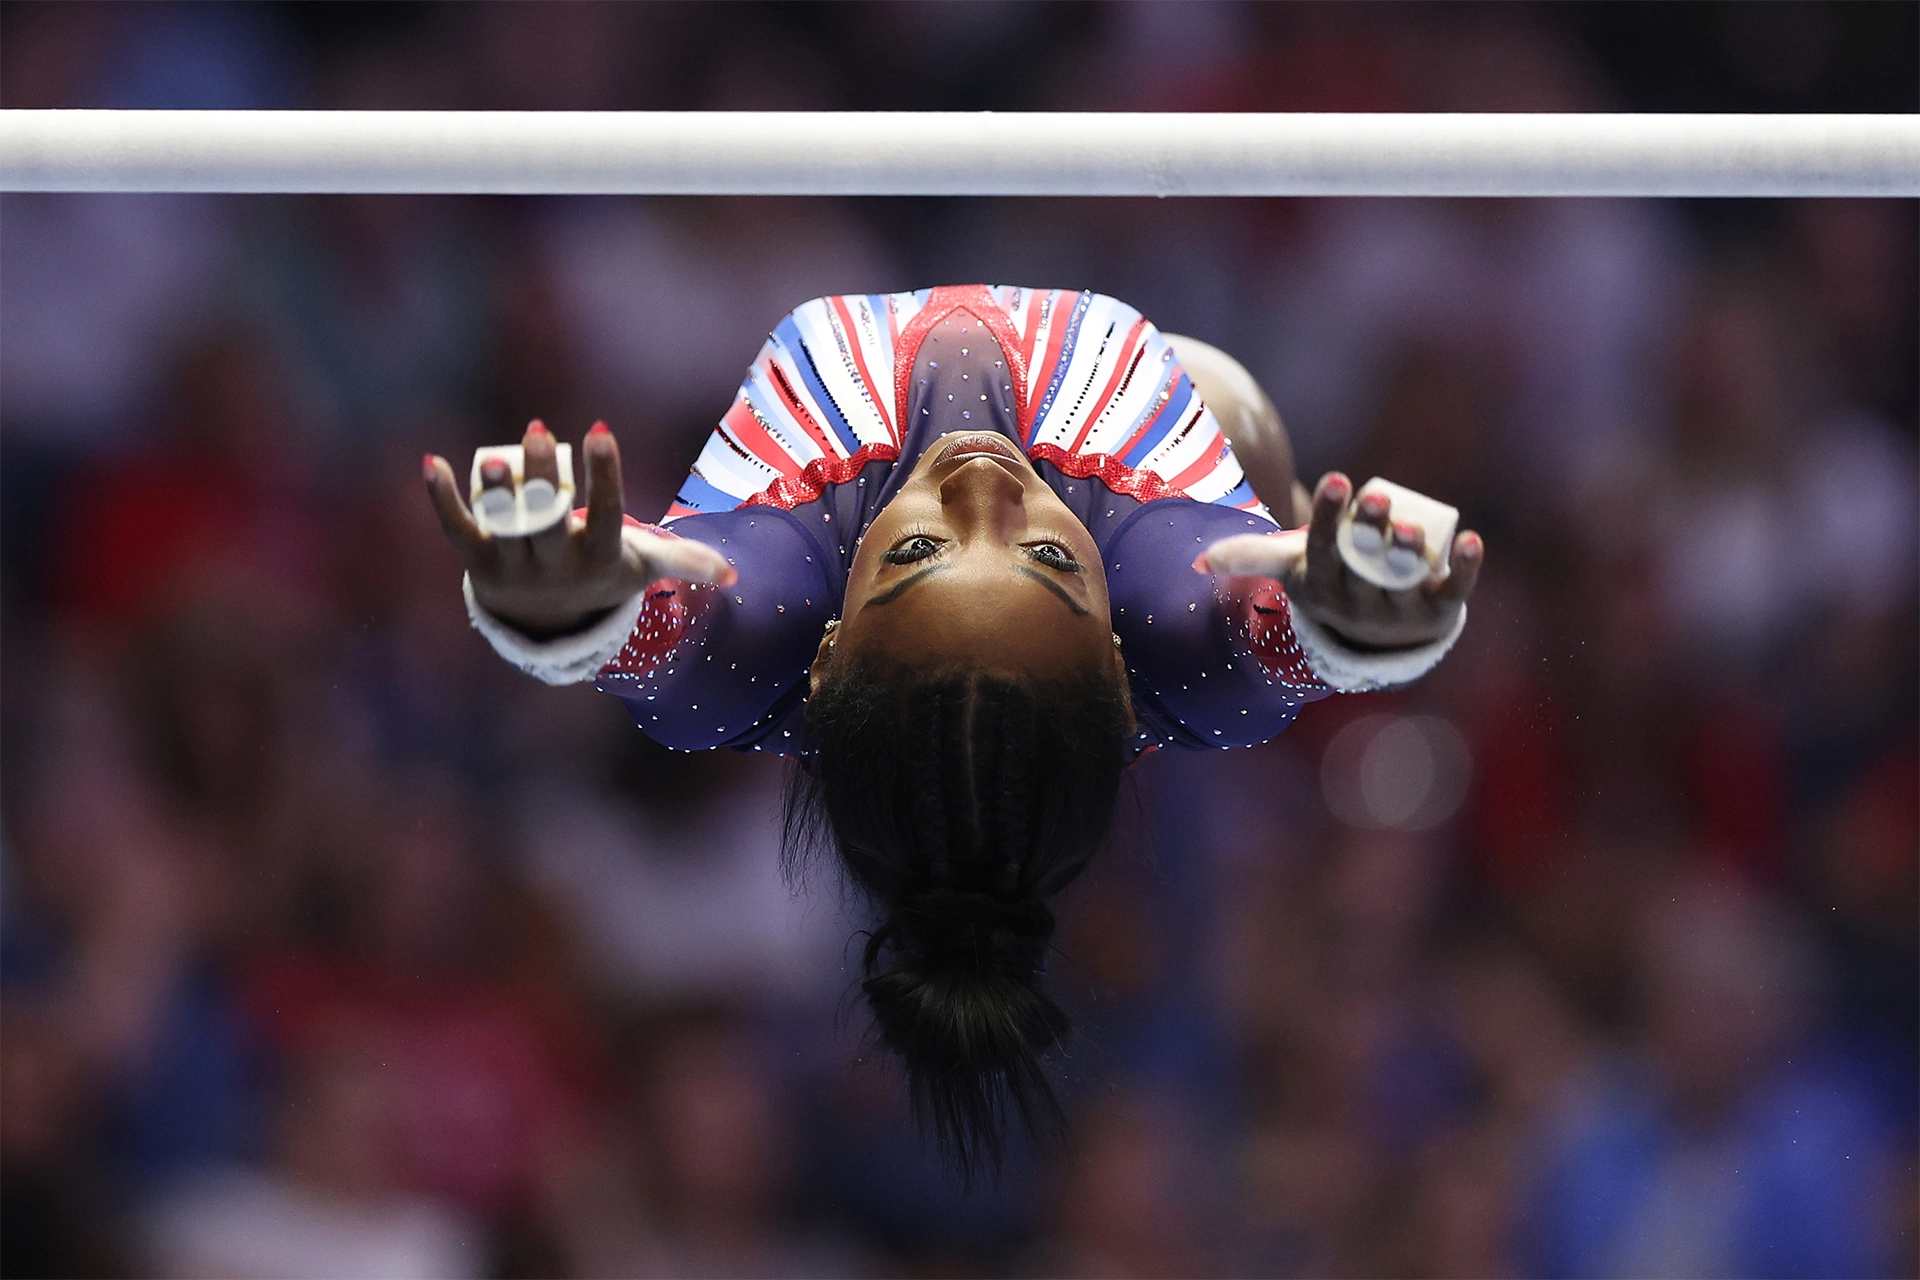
{"x": 832, "y": 625}
{"x": 1116, "y": 639}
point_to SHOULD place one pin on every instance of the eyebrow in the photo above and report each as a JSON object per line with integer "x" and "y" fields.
{"x": 1079, "y": 609}
{"x": 893, "y": 592}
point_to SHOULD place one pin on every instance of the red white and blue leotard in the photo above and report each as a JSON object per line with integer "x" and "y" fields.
{"x": 840, "y": 403}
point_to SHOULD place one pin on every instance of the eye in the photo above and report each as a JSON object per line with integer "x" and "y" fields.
{"x": 914, "y": 547}
{"x": 1054, "y": 555}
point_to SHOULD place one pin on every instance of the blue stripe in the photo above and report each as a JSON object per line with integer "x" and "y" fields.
{"x": 788, "y": 334}
{"x": 1171, "y": 414}
{"x": 1240, "y": 493}
{"x": 704, "y": 497}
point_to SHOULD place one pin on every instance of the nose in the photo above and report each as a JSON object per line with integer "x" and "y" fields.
{"x": 981, "y": 497}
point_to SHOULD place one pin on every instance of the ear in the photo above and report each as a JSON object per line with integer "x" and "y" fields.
{"x": 818, "y": 670}
{"x": 1126, "y": 685}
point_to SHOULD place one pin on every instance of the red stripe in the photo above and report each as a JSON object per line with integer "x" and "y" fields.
{"x": 796, "y": 407}
{"x": 754, "y": 438}
{"x": 1125, "y": 447}
{"x": 1121, "y": 370}
{"x": 860, "y": 363}
{"x": 1042, "y": 375}
{"x": 1208, "y": 461}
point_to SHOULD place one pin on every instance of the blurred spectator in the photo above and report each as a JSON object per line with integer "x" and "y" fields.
{"x": 429, "y": 962}
{"x": 215, "y": 501}
{"x": 1133, "y": 1198}
{"x": 681, "y": 896}
{"x": 1774, "y": 510}
{"x": 668, "y": 301}
{"x": 1729, "y": 1149}
{"x": 713, "y": 1141}
{"x": 51, "y": 1191}
{"x": 331, "y": 1205}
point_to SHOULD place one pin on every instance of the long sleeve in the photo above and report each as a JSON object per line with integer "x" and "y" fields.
{"x": 726, "y": 666}
{"x": 1225, "y": 662}
{"x": 697, "y": 665}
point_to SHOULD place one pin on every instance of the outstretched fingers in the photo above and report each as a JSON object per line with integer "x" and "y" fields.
{"x": 682, "y": 558}
{"x": 605, "y": 507}
{"x": 1251, "y": 555}
{"x": 540, "y": 463}
{"x": 538, "y": 458}
{"x": 455, "y": 519}
{"x": 1469, "y": 554}
{"x": 1330, "y": 498}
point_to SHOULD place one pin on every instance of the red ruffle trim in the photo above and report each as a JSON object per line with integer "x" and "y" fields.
{"x": 1144, "y": 486}
{"x": 669, "y": 610}
{"x": 1260, "y": 606}
{"x": 789, "y": 492}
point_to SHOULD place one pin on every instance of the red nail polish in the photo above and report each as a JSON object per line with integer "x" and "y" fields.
{"x": 599, "y": 429}
{"x": 1200, "y": 564}
{"x": 538, "y": 427}
{"x": 426, "y": 466}
{"x": 494, "y": 473}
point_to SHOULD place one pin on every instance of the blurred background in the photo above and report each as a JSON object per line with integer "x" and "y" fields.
{"x": 332, "y": 947}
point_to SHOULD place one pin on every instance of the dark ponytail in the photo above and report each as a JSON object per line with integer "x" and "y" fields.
{"x": 959, "y": 802}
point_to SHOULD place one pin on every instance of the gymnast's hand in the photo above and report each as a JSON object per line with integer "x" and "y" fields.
{"x": 1319, "y": 583}
{"x": 564, "y": 578}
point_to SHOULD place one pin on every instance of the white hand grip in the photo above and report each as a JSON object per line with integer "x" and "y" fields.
{"x": 531, "y": 506}
{"x": 1376, "y": 559}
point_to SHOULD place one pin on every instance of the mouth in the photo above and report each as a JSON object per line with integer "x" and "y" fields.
{"x": 981, "y": 444}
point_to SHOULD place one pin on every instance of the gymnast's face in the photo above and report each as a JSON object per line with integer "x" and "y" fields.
{"x": 976, "y": 559}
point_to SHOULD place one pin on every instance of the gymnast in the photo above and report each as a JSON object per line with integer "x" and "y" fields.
{"x": 964, "y": 554}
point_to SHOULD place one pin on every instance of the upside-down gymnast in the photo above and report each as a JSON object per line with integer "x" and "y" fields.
{"x": 963, "y": 554}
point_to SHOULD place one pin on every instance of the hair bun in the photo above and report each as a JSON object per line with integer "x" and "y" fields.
{"x": 945, "y": 928}
{"x": 962, "y": 1003}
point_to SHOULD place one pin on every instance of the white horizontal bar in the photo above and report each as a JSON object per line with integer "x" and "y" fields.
{"x": 960, "y": 154}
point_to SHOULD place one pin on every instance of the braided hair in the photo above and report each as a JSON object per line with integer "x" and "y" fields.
{"x": 959, "y": 802}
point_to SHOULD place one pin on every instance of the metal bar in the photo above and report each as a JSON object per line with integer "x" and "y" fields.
{"x": 960, "y": 154}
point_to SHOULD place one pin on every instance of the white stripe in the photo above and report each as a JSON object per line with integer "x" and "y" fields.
{"x": 876, "y": 348}
{"x": 789, "y": 362}
{"x": 723, "y": 468}
{"x": 820, "y": 330}
{"x": 1178, "y": 452}
{"x": 1086, "y": 371}
{"x": 775, "y": 418}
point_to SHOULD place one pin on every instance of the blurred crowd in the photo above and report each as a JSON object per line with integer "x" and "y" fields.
{"x": 332, "y": 947}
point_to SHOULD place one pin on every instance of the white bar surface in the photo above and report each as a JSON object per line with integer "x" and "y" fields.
{"x": 782, "y": 153}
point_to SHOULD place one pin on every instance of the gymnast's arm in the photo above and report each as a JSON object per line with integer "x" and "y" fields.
{"x": 1250, "y": 422}
{"x": 561, "y": 603}
{"x": 1362, "y": 636}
